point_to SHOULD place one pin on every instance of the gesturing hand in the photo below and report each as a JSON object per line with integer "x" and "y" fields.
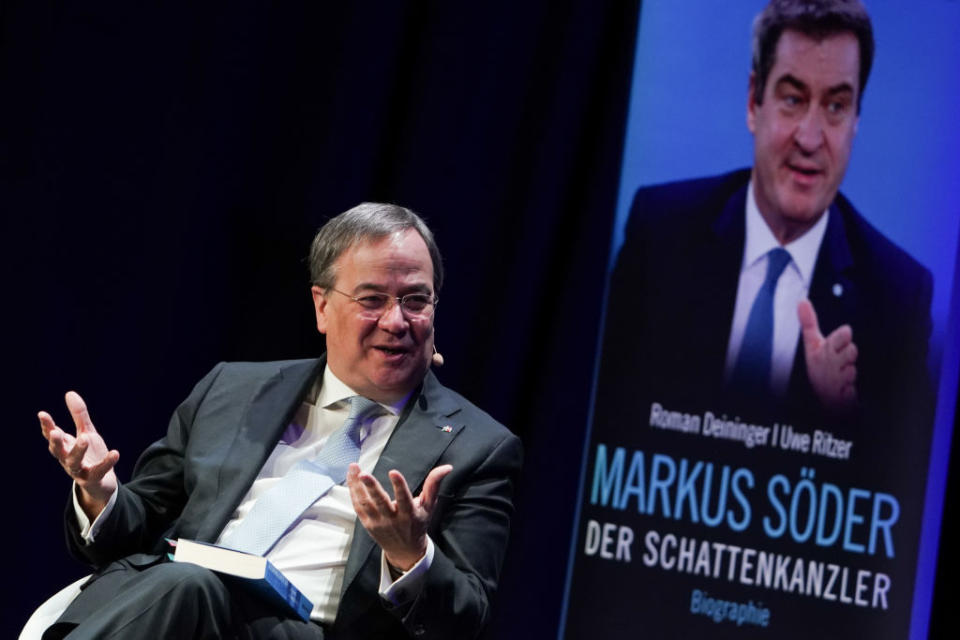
{"x": 831, "y": 361}
{"x": 399, "y": 526}
{"x": 84, "y": 457}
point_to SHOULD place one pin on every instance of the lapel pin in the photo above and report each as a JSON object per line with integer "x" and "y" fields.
{"x": 837, "y": 290}
{"x": 447, "y": 429}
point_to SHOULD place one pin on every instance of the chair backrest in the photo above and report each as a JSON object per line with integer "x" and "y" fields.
{"x": 48, "y": 612}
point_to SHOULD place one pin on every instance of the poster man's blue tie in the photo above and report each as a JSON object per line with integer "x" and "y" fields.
{"x": 279, "y": 507}
{"x": 752, "y": 370}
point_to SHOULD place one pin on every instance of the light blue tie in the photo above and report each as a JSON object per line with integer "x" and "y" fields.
{"x": 281, "y": 506}
{"x": 752, "y": 370}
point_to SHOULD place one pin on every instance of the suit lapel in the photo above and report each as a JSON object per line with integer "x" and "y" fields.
{"x": 426, "y": 428}
{"x": 833, "y": 290}
{"x": 269, "y": 409}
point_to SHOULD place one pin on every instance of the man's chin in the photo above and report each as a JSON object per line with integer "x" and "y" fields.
{"x": 802, "y": 209}
{"x": 802, "y": 217}
{"x": 398, "y": 382}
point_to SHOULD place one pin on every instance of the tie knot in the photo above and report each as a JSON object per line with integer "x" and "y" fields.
{"x": 362, "y": 408}
{"x": 777, "y": 261}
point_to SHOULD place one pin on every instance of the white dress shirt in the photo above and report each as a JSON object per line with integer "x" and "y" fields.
{"x": 792, "y": 287}
{"x": 313, "y": 554}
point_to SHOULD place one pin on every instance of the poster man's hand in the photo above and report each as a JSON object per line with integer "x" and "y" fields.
{"x": 831, "y": 360}
{"x": 85, "y": 457}
{"x": 399, "y": 526}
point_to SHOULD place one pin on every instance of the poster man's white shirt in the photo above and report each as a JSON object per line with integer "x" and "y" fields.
{"x": 793, "y": 286}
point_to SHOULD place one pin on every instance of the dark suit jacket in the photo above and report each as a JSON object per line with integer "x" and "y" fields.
{"x": 673, "y": 290}
{"x": 189, "y": 483}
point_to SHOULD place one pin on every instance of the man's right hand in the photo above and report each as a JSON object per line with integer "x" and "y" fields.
{"x": 85, "y": 457}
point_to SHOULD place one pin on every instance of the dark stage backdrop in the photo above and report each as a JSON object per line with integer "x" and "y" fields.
{"x": 163, "y": 167}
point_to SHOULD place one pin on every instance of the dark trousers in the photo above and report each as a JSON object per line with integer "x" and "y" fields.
{"x": 172, "y": 600}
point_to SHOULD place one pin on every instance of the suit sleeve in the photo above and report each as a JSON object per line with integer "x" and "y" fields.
{"x": 146, "y": 507}
{"x": 471, "y": 539}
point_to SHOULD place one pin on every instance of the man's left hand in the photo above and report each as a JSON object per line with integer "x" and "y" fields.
{"x": 831, "y": 360}
{"x": 399, "y": 526}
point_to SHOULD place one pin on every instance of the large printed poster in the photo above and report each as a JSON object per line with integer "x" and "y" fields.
{"x": 776, "y": 374}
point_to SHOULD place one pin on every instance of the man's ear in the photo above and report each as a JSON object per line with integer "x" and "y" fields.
{"x": 320, "y": 308}
{"x": 751, "y": 105}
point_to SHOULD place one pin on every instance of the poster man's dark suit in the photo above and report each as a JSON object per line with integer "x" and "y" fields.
{"x": 188, "y": 485}
{"x": 669, "y": 311}
{"x": 672, "y": 296}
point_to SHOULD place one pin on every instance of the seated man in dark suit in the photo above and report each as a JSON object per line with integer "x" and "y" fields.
{"x": 424, "y": 566}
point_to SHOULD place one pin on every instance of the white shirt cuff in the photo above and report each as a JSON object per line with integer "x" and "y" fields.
{"x": 408, "y": 586}
{"x": 89, "y": 530}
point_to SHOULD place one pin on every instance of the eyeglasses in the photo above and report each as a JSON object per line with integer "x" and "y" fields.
{"x": 418, "y": 305}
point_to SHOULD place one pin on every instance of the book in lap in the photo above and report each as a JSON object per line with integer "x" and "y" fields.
{"x": 254, "y": 572}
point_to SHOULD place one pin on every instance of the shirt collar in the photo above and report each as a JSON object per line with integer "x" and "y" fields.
{"x": 333, "y": 390}
{"x": 760, "y": 240}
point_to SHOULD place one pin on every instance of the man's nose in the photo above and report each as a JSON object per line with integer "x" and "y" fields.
{"x": 392, "y": 319}
{"x": 809, "y": 132}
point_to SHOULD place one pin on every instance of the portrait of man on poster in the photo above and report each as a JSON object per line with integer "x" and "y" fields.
{"x": 764, "y": 289}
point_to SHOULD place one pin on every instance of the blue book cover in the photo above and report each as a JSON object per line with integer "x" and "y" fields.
{"x": 253, "y": 572}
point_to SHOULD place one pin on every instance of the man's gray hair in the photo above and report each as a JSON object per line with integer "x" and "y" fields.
{"x": 816, "y": 19}
{"x": 365, "y": 222}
